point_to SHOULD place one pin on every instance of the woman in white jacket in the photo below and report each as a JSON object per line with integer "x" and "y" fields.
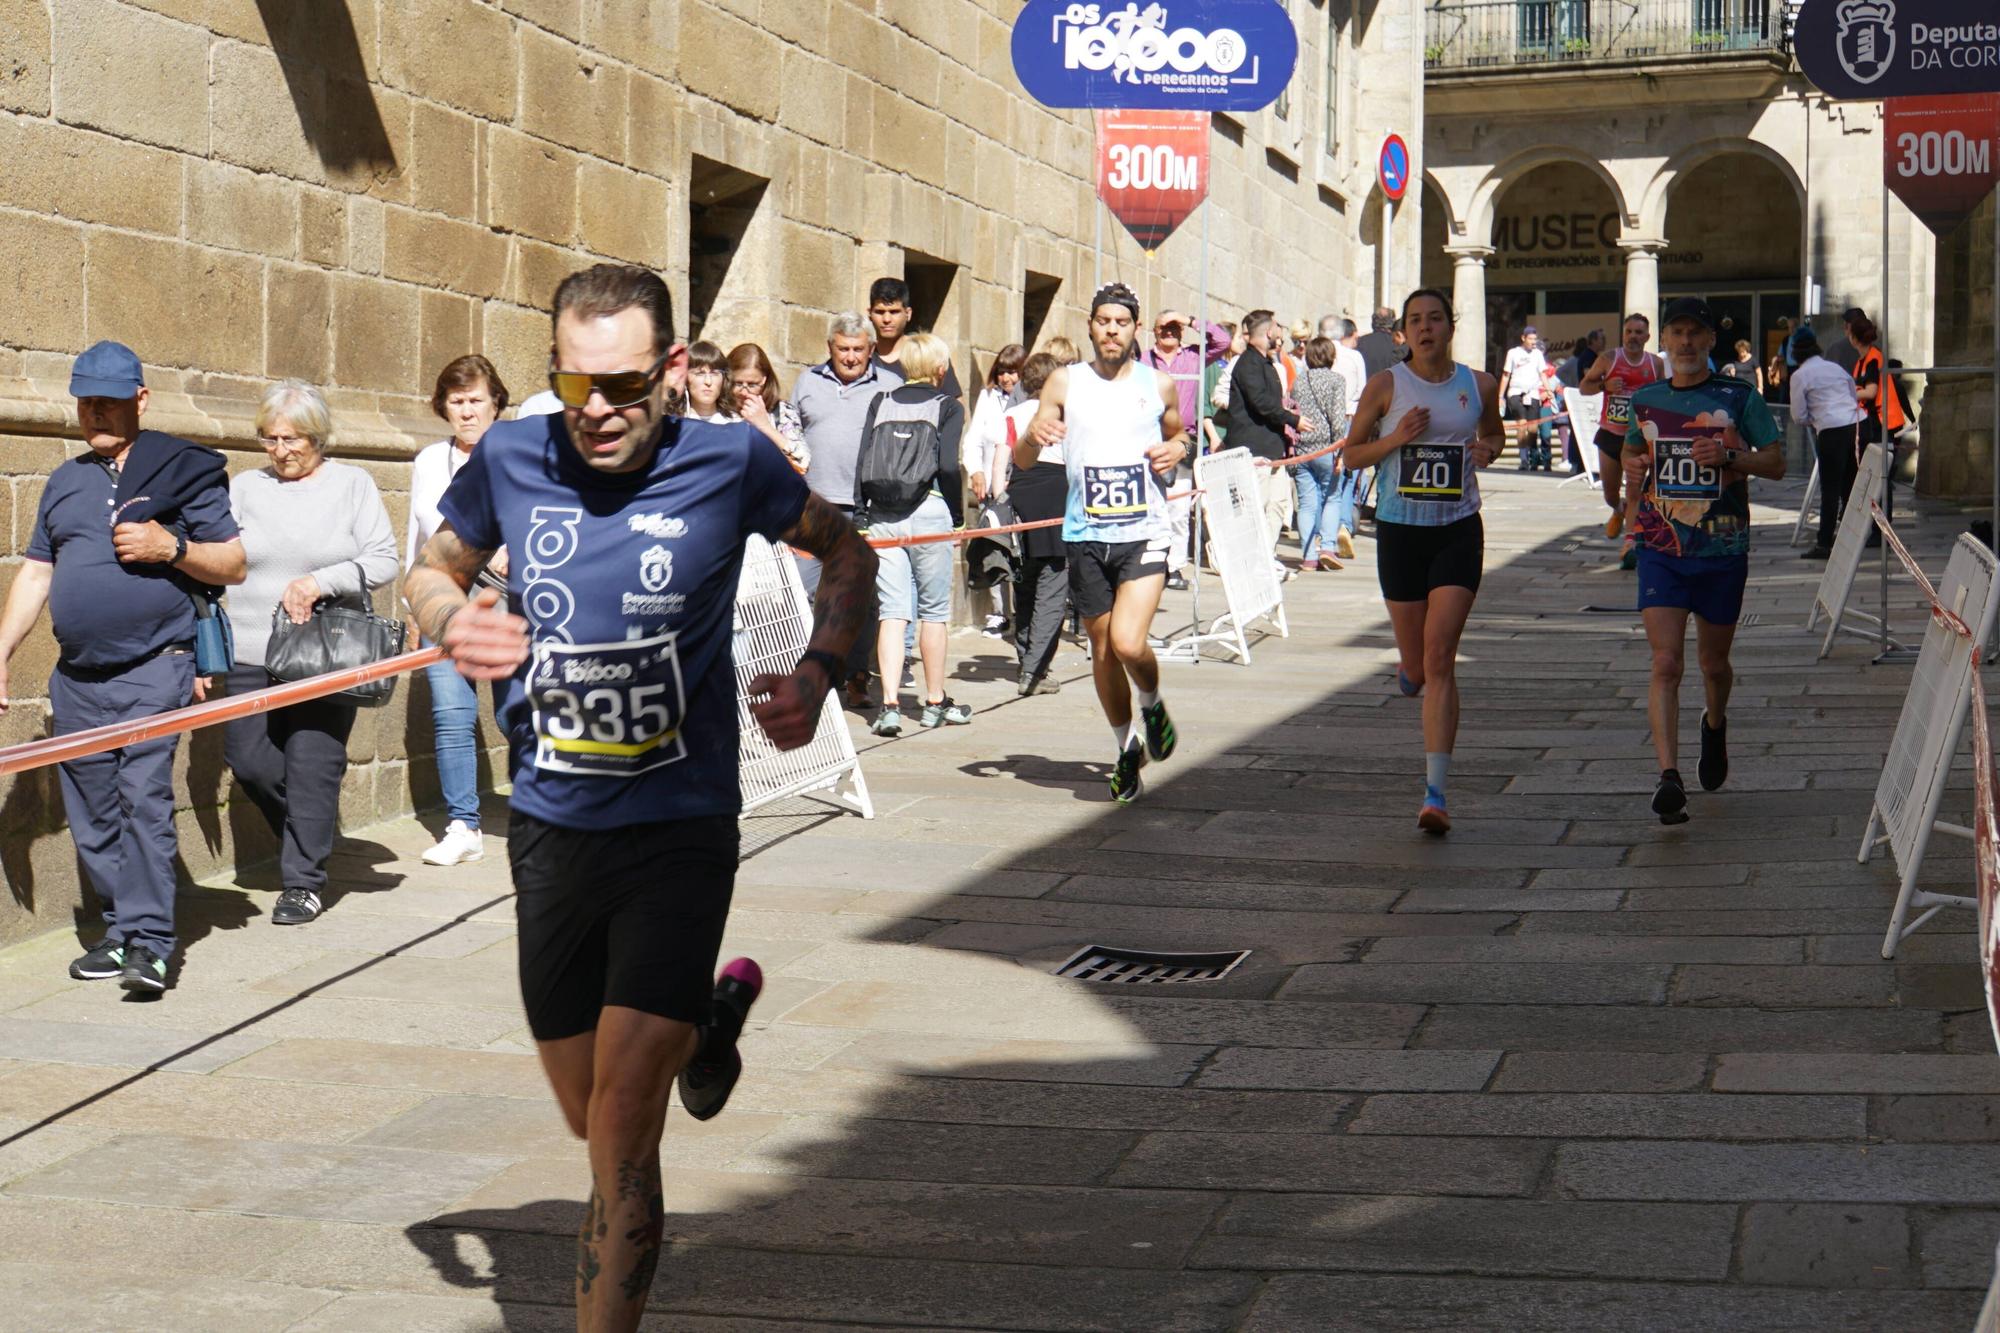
{"x": 470, "y": 397}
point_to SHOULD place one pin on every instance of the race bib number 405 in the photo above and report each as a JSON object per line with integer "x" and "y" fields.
{"x": 1432, "y": 472}
{"x": 1113, "y": 495}
{"x": 611, "y": 710}
{"x": 1676, "y": 476}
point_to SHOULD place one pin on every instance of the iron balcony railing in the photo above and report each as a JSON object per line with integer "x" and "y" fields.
{"x": 1504, "y": 34}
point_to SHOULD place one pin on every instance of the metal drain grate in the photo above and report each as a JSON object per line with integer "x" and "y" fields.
{"x": 1143, "y": 968}
{"x": 1754, "y": 618}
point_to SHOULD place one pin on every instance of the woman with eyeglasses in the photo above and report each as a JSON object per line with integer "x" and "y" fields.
{"x": 470, "y": 397}
{"x": 313, "y": 531}
{"x": 754, "y": 386}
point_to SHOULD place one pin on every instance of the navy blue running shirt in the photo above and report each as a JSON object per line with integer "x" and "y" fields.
{"x": 625, "y": 712}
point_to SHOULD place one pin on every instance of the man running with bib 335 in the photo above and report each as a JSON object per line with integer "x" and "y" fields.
{"x": 627, "y": 529}
{"x": 1439, "y": 423}
{"x": 1119, "y": 423}
{"x": 1694, "y": 443}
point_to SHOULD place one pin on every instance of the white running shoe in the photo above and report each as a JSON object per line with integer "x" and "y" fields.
{"x": 461, "y": 843}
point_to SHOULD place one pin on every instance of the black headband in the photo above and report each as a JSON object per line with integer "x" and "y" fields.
{"x": 1116, "y": 293}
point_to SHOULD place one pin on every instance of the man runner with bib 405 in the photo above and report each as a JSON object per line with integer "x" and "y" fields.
{"x": 1693, "y": 445}
{"x": 627, "y": 529}
{"x": 1119, "y": 424}
{"x": 1440, "y": 423}
{"x": 1617, "y": 377}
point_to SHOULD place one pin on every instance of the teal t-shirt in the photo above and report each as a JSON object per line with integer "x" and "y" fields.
{"x": 1687, "y": 523}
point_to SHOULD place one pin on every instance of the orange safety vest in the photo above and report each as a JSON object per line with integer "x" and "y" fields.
{"x": 1889, "y": 407}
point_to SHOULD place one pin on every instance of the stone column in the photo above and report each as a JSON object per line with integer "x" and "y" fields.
{"x": 1468, "y": 299}
{"x": 1642, "y": 279}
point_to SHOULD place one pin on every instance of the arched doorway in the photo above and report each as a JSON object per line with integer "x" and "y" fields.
{"x": 1556, "y": 263}
{"x": 1436, "y": 264}
{"x": 1735, "y": 230}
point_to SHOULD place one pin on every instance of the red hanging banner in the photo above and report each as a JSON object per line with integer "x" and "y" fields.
{"x": 1941, "y": 155}
{"x": 1152, "y": 169}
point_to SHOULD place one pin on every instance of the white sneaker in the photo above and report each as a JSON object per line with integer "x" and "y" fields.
{"x": 461, "y": 843}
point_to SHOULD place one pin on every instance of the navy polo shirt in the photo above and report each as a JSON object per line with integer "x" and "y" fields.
{"x": 107, "y": 614}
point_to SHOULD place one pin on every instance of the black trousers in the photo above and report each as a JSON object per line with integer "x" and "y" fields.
{"x": 1871, "y": 433}
{"x": 291, "y": 763}
{"x": 1041, "y": 600}
{"x": 1837, "y": 466}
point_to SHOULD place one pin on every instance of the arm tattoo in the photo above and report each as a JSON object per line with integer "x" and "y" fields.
{"x": 435, "y": 587}
{"x": 847, "y": 575}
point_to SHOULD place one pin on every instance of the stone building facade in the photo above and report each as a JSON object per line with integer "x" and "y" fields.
{"x": 1585, "y": 159}
{"x": 353, "y": 192}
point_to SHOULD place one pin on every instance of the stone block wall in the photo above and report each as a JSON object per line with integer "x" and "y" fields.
{"x": 354, "y": 192}
{"x": 1956, "y": 414}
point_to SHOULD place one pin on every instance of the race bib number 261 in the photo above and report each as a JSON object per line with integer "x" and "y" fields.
{"x": 1113, "y": 495}
{"x": 609, "y": 710}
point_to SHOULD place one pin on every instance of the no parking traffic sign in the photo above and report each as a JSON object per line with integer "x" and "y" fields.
{"x": 1393, "y": 170}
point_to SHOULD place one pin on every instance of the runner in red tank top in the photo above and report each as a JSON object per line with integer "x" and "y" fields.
{"x": 1616, "y": 376}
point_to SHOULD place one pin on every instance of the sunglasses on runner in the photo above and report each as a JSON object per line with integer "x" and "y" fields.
{"x": 621, "y": 388}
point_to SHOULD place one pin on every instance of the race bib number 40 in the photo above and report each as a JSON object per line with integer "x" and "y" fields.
{"x": 1114, "y": 495}
{"x": 1676, "y": 476}
{"x": 611, "y": 710}
{"x": 1432, "y": 472}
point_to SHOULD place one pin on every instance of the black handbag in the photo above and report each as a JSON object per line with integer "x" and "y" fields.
{"x": 336, "y": 638}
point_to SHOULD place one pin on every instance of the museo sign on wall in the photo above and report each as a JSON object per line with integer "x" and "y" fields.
{"x": 1185, "y": 55}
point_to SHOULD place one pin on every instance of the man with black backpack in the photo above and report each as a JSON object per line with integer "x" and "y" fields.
{"x": 907, "y": 485}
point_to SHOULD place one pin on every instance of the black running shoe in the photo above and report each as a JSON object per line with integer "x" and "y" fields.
{"x": 102, "y": 963}
{"x": 1161, "y": 738}
{"x": 1670, "y": 798}
{"x": 1713, "y": 770}
{"x": 709, "y": 1078}
{"x": 295, "y": 907}
{"x": 145, "y": 971}
{"x": 1125, "y": 781}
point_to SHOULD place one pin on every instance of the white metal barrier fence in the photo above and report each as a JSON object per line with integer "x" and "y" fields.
{"x": 1836, "y": 582}
{"x": 1232, "y": 506}
{"x": 1911, "y": 790}
{"x": 773, "y": 626}
{"x": 1585, "y": 412}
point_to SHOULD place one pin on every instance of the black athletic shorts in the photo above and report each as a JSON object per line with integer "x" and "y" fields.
{"x": 629, "y": 916}
{"x": 1096, "y": 569}
{"x": 1411, "y": 561}
{"x": 1612, "y": 442}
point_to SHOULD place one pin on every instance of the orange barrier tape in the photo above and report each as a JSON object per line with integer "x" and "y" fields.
{"x": 1950, "y": 620}
{"x": 967, "y": 534}
{"x": 78, "y": 744}
{"x": 1985, "y": 846}
{"x": 1333, "y": 448}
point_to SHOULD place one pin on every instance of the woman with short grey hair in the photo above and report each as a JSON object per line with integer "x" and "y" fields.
{"x": 313, "y": 531}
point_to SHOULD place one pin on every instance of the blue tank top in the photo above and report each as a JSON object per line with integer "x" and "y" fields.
{"x": 1432, "y": 482}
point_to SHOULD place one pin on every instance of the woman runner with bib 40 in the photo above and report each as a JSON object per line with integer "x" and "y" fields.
{"x": 1119, "y": 424}
{"x": 1439, "y": 423}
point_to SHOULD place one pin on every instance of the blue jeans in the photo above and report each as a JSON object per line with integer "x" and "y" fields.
{"x": 455, "y": 721}
{"x": 1347, "y": 485}
{"x": 1319, "y": 507}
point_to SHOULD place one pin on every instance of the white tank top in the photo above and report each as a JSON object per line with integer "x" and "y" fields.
{"x": 1455, "y": 410}
{"x": 1113, "y": 494}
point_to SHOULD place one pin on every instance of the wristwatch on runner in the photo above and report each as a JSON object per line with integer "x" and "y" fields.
{"x": 828, "y": 663}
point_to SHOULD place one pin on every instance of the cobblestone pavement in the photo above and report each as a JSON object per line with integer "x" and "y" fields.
{"x": 1567, "y": 1071}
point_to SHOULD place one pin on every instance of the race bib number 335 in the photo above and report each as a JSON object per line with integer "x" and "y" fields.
{"x": 1114, "y": 495}
{"x": 1432, "y": 472}
{"x": 610, "y": 710}
{"x": 1677, "y": 476}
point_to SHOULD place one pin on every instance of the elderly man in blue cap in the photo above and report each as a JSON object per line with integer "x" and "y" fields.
{"x": 129, "y": 535}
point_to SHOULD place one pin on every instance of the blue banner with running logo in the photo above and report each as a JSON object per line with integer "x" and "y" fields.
{"x": 1185, "y": 55}
{"x": 1899, "y": 48}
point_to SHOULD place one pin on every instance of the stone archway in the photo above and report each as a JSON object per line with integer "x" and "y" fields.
{"x": 1734, "y": 226}
{"x": 1556, "y": 262}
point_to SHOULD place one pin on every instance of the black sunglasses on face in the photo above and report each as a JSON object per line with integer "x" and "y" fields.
{"x": 621, "y": 388}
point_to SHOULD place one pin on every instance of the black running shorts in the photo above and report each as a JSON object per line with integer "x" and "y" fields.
{"x": 1411, "y": 561}
{"x": 628, "y": 916}
{"x": 1096, "y": 569}
{"x": 1612, "y": 443}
